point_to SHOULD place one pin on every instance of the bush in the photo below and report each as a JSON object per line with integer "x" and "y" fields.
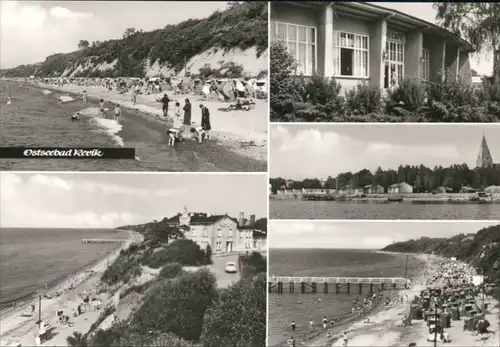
{"x": 363, "y": 100}
{"x": 125, "y": 267}
{"x": 171, "y": 270}
{"x": 178, "y": 306}
{"x": 184, "y": 252}
{"x": 252, "y": 264}
{"x": 241, "y": 305}
{"x": 77, "y": 340}
{"x": 408, "y": 95}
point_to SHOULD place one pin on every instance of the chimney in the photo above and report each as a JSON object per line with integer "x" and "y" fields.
{"x": 241, "y": 219}
{"x": 252, "y": 220}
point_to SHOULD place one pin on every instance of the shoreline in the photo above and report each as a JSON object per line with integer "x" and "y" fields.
{"x": 249, "y": 144}
{"x": 386, "y": 329}
{"x": 15, "y": 328}
{"x": 380, "y": 309}
{"x": 408, "y": 198}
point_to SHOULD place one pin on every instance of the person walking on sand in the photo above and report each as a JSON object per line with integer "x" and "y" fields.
{"x": 187, "y": 114}
{"x": 205, "y": 120}
{"x": 134, "y": 95}
{"x": 164, "y": 102}
{"x": 345, "y": 339}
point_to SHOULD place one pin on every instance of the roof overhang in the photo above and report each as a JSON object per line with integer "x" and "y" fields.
{"x": 396, "y": 19}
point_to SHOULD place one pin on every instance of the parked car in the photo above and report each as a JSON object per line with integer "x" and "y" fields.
{"x": 231, "y": 268}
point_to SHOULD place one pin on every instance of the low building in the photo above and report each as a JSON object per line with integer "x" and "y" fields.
{"x": 373, "y": 189}
{"x": 400, "y": 188}
{"x": 259, "y": 241}
{"x": 223, "y": 233}
{"x": 361, "y": 42}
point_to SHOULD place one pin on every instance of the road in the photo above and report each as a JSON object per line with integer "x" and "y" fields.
{"x": 224, "y": 279}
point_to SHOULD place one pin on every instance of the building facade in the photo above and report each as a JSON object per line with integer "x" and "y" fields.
{"x": 400, "y": 188}
{"x": 360, "y": 42}
{"x": 223, "y": 233}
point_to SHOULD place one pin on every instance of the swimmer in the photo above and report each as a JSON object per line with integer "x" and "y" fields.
{"x": 198, "y": 132}
{"x": 75, "y": 116}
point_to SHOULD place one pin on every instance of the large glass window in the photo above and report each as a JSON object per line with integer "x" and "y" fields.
{"x": 300, "y": 41}
{"x": 424, "y": 67}
{"x": 394, "y": 59}
{"x": 350, "y": 54}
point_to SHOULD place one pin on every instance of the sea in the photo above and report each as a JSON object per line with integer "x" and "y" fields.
{"x": 285, "y": 308}
{"x": 298, "y": 209}
{"x": 35, "y": 118}
{"x": 33, "y": 258}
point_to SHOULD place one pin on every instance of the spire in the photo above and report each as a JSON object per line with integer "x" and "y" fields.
{"x": 484, "y": 158}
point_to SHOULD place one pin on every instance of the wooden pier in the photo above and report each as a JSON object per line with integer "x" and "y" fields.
{"x": 341, "y": 284}
{"x": 96, "y": 241}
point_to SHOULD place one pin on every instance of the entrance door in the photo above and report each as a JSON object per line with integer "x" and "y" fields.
{"x": 229, "y": 246}
{"x": 394, "y": 63}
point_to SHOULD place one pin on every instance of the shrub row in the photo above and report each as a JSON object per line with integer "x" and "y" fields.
{"x": 319, "y": 99}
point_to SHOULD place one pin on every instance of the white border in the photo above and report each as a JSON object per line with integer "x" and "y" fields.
{"x": 268, "y": 161}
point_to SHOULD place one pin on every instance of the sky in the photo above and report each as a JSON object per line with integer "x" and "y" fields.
{"x": 104, "y": 200}
{"x": 362, "y": 234}
{"x": 32, "y": 30}
{"x": 481, "y": 62}
{"x": 301, "y": 151}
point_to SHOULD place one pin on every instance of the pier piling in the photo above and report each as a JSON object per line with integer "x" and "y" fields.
{"x": 361, "y": 288}
{"x": 325, "y": 288}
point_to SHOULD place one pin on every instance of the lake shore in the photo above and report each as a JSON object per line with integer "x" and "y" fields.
{"x": 458, "y": 198}
{"x": 19, "y": 329}
{"x": 242, "y": 132}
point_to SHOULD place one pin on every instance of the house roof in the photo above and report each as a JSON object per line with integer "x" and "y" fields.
{"x": 393, "y": 17}
{"x": 260, "y": 234}
{"x": 201, "y": 218}
{"x": 395, "y": 185}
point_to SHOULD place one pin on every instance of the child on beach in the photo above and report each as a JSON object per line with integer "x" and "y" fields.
{"x": 325, "y": 322}
{"x": 118, "y": 112}
{"x": 311, "y": 325}
{"x": 101, "y": 108}
{"x": 345, "y": 339}
{"x": 293, "y": 325}
{"x": 9, "y": 100}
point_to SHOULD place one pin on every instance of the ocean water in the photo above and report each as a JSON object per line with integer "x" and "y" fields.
{"x": 31, "y": 258}
{"x": 285, "y": 308}
{"x": 37, "y": 119}
{"x": 298, "y": 209}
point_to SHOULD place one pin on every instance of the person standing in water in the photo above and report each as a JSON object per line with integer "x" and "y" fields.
{"x": 134, "y": 95}
{"x": 84, "y": 97}
{"x": 101, "y": 108}
{"x": 118, "y": 112}
{"x": 177, "y": 122}
{"x": 205, "y": 120}
{"x": 187, "y": 115}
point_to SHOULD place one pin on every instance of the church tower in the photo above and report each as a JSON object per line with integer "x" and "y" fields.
{"x": 484, "y": 158}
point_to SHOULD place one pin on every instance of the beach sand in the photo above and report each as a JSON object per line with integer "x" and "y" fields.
{"x": 242, "y": 132}
{"x": 385, "y": 327}
{"x": 16, "y": 329}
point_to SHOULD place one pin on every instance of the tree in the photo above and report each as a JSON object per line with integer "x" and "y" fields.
{"x": 478, "y": 22}
{"x": 261, "y": 224}
{"x": 241, "y": 305}
{"x": 77, "y": 340}
{"x": 129, "y": 32}
{"x": 178, "y": 306}
{"x": 83, "y": 44}
{"x": 208, "y": 255}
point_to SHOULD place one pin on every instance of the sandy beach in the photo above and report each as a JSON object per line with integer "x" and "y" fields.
{"x": 243, "y": 132}
{"x": 385, "y": 327}
{"x": 19, "y": 329}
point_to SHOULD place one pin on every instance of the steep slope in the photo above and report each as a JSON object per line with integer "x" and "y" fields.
{"x": 235, "y": 35}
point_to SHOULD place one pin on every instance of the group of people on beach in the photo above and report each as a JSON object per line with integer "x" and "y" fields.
{"x": 182, "y": 126}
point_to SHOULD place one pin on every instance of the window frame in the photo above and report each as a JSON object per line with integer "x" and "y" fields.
{"x": 274, "y": 36}
{"x": 397, "y": 39}
{"x": 337, "y": 48}
{"x": 425, "y": 67}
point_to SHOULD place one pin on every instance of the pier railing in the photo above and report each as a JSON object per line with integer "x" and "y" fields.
{"x": 94, "y": 241}
{"x": 340, "y": 280}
